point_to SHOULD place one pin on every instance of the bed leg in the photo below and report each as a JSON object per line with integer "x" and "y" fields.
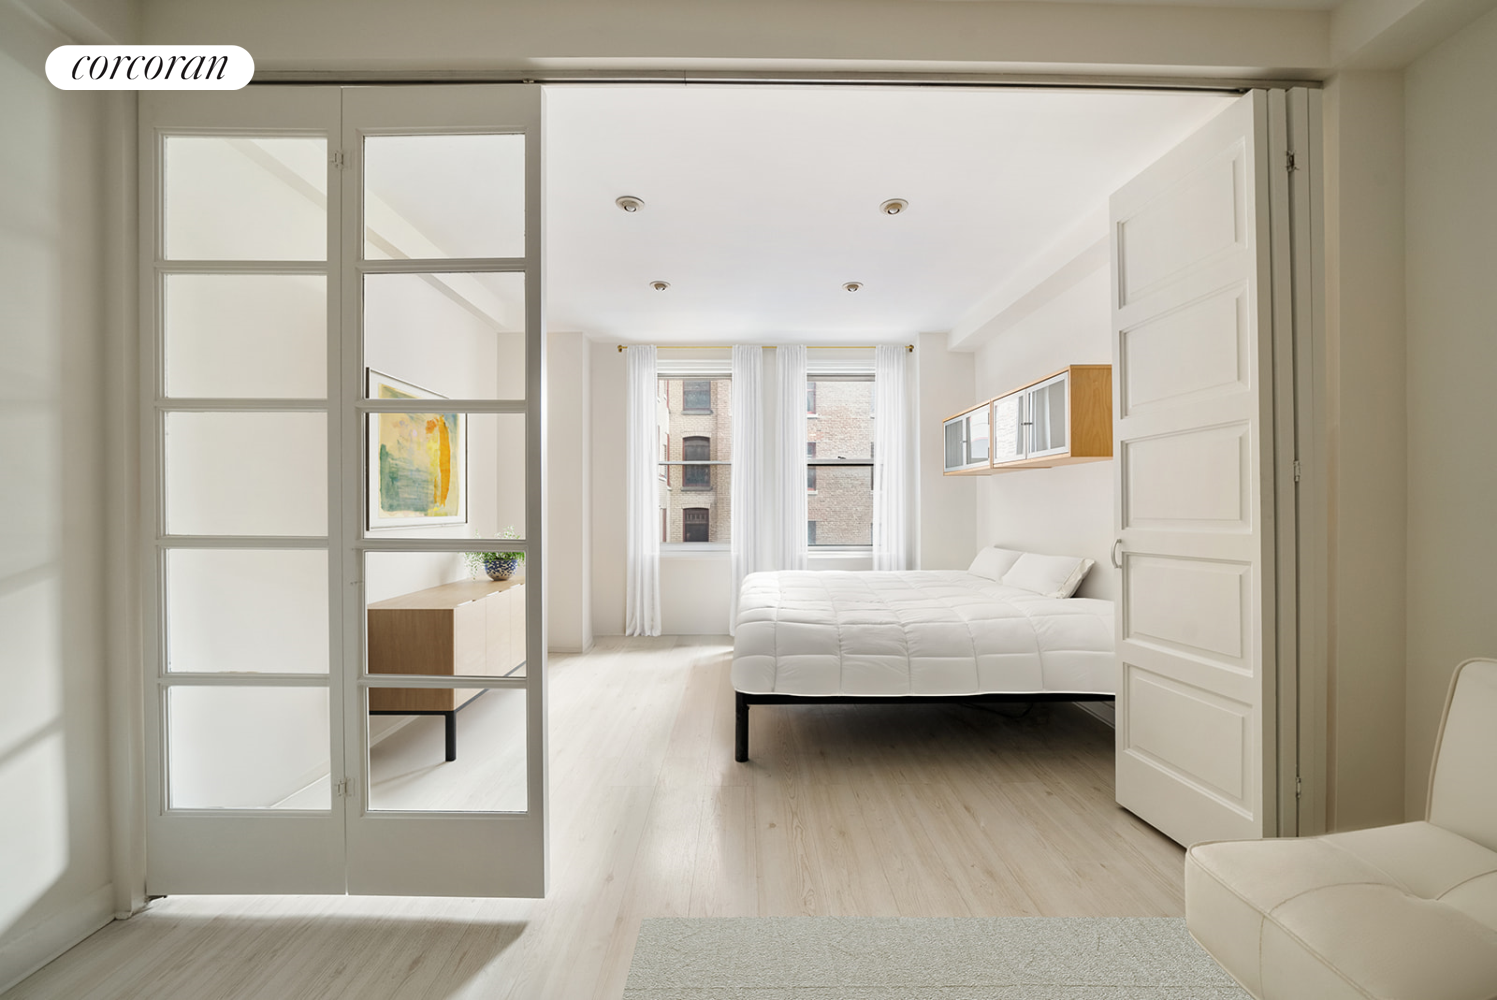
{"x": 740, "y": 727}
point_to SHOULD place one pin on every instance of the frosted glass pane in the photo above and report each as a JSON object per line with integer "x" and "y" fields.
{"x": 434, "y": 474}
{"x": 246, "y": 335}
{"x": 431, "y": 196}
{"x": 252, "y": 610}
{"x": 247, "y": 748}
{"x": 455, "y": 335}
{"x": 245, "y": 198}
{"x": 408, "y": 751}
{"x": 246, "y": 473}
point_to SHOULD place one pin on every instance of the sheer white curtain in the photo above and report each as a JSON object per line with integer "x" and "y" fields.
{"x": 749, "y": 540}
{"x": 891, "y": 460}
{"x": 790, "y": 504}
{"x": 642, "y": 485}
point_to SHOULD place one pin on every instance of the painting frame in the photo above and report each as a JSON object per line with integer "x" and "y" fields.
{"x": 381, "y": 511}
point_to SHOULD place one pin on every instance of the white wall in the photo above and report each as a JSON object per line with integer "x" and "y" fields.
{"x": 569, "y": 457}
{"x": 948, "y": 385}
{"x": 55, "y": 848}
{"x": 1365, "y": 448}
{"x": 1066, "y": 510}
{"x": 1451, "y": 123}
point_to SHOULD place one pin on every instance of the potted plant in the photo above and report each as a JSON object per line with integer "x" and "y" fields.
{"x": 498, "y": 565}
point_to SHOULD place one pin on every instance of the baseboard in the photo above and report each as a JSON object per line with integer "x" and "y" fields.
{"x": 29, "y": 951}
{"x": 1107, "y": 711}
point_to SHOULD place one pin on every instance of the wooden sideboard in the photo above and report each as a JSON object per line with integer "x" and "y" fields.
{"x": 473, "y": 627}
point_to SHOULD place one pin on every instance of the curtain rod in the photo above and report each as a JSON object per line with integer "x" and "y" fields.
{"x": 767, "y": 347}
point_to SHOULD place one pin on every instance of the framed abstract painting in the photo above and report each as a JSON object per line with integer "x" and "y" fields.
{"x": 418, "y": 468}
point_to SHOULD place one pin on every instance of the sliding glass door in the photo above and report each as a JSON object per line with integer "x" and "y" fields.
{"x": 341, "y": 694}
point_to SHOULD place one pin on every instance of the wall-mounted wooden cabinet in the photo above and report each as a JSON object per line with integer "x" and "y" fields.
{"x": 1060, "y": 419}
{"x": 966, "y": 437}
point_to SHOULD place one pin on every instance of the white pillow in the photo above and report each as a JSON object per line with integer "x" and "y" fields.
{"x": 1048, "y": 576}
{"x": 992, "y": 562}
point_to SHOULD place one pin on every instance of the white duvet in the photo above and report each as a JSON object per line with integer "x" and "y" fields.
{"x": 916, "y": 633}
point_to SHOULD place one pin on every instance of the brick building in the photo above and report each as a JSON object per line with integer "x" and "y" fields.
{"x": 839, "y": 498}
{"x": 695, "y": 425}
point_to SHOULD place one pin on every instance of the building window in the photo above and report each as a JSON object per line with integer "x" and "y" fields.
{"x": 696, "y": 470}
{"x": 697, "y": 395}
{"x": 696, "y": 449}
{"x": 839, "y": 462}
{"x": 811, "y": 399}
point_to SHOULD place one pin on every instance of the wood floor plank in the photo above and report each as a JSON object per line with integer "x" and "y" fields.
{"x": 933, "y": 811}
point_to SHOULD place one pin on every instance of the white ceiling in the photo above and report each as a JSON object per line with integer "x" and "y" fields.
{"x": 761, "y": 201}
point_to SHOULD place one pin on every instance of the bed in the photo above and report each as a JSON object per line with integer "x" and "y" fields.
{"x": 879, "y": 637}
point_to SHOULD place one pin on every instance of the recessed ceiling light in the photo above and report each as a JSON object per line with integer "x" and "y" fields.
{"x": 660, "y": 286}
{"x": 894, "y": 206}
{"x": 852, "y": 286}
{"x": 629, "y": 203}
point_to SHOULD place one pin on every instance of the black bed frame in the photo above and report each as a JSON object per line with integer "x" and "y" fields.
{"x": 743, "y": 701}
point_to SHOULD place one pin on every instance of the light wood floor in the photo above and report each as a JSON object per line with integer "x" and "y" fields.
{"x": 870, "y": 811}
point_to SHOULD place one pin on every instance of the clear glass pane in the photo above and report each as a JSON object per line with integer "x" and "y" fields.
{"x": 444, "y": 475}
{"x": 245, "y": 198}
{"x": 430, "y": 196}
{"x": 842, "y": 506}
{"x": 447, "y": 750}
{"x": 445, "y": 614}
{"x": 246, "y": 335}
{"x": 956, "y": 450}
{"x": 246, "y": 473}
{"x": 843, "y": 425}
{"x": 1008, "y": 428}
{"x": 247, "y": 748}
{"x": 247, "y": 610}
{"x": 696, "y": 503}
{"x": 456, "y": 335}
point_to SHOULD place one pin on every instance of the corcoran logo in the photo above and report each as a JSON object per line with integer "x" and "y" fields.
{"x": 150, "y": 67}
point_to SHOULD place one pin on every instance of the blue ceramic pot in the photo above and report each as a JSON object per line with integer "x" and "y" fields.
{"x": 500, "y": 567}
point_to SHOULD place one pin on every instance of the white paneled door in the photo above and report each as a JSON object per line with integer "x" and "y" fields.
{"x": 1192, "y": 351}
{"x": 342, "y": 368}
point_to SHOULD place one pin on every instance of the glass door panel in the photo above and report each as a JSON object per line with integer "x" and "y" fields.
{"x": 435, "y": 196}
{"x": 445, "y": 664}
{"x": 1047, "y": 409}
{"x": 244, "y": 720}
{"x": 246, "y": 335}
{"x": 456, "y": 334}
{"x": 247, "y": 611}
{"x": 1008, "y": 428}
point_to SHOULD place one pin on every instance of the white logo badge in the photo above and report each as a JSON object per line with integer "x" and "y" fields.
{"x": 150, "y": 67}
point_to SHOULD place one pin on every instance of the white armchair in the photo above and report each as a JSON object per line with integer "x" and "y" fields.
{"x": 1406, "y": 912}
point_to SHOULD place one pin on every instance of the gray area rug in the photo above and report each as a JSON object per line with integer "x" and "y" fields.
{"x": 904, "y": 958}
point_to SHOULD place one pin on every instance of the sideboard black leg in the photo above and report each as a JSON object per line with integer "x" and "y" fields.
{"x": 740, "y": 727}
{"x": 451, "y": 735}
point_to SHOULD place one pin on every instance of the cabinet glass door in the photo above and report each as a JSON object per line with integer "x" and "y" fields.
{"x": 977, "y": 437}
{"x": 1008, "y": 428}
{"x": 1047, "y": 415}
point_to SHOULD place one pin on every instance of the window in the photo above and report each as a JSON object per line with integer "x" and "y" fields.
{"x": 696, "y": 449}
{"x": 697, "y": 395}
{"x": 811, "y": 399}
{"x": 696, "y": 429}
{"x": 839, "y": 462}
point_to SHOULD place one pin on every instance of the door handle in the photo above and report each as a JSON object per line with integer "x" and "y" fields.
{"x": 1117, "y": 550}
